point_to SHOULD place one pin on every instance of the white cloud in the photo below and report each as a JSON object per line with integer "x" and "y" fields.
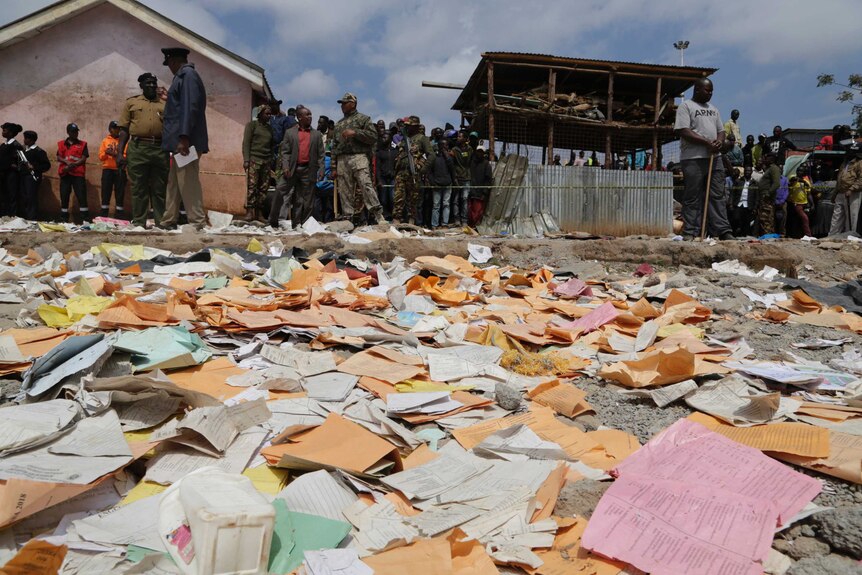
{"x": 406, "y": 95}
{"x": 383, "y": 49}
{"x": 194, "y": 17}
{"x": 310, "y": 85}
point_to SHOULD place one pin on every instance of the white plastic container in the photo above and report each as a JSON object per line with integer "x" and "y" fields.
{"x": 231, "y": 524}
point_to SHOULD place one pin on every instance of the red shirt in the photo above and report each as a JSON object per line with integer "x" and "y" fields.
{"x": 304, "y": 146}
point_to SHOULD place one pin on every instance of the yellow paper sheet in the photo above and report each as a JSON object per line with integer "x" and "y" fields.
{"x": 793, "y": 438}
{"x": 564, "y": 398}
{"x": 337, "y": 443}
{"x": 36, "y": 558}
{"x": 142, "y": 490}
{"x": 423, "y": 557}
{"x": 566, "y": 556}
{"x": 660, "y": 367}
{"x": 844, "y": 461}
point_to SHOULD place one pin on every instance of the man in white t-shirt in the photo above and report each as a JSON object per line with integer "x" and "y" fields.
{"x": 698, "y": 124}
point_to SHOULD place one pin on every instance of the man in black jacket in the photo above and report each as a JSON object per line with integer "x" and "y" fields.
{"x": 31, "y": 175}
{"x": 9, "y": 148}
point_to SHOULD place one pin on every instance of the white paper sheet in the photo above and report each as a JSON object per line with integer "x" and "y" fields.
{"x": 167, "y": 467}
{"x": 437, "y": 476}
{"x": 28, "y": 425}
{"x": 97, "y": 436}
{"x": 183, "y": 161}
{"x": 135, "y": 523}
{"x": 318, "y": 493}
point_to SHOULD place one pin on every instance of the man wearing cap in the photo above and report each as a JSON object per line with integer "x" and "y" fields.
{"x": 352, "y": 141}
{"x": 185, "y": 127}
{"x": 9, "y": 148}
{"x": 407, "y": 183}
{"x": 72, "y": 155}
{"x": 113, "y": 178}
{"x": 141, "y": 137}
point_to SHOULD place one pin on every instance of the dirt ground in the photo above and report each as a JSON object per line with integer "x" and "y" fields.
{"x": 826, "y": 260}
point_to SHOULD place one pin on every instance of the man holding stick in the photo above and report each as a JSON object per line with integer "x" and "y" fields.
{"x": 698, "y": 124}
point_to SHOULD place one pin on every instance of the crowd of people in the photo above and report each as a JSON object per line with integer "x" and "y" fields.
{"x": 366, "y": 172}
{"x": 156, "y": 144}
{"x": 362, "y": 171}
{"x": 766, "y": 187}
{"x": 352, "y": 169}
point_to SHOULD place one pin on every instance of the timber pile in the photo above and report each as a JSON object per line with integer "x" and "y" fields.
{"x": 590, "y": 106}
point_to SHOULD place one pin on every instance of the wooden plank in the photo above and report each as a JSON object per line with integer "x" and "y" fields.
{"x": 491, "y": 105}
{"x": 658, "y": 111}
{"x": 552, "y": 95}
{"x": 610, "y": 118}
{"x": 689, "y": 77}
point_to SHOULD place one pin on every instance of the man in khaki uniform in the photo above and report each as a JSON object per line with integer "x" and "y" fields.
{"x": 141, "y": 128}
{"x": 353, "y": 139}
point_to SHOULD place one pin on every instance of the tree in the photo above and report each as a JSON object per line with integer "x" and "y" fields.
{"x": 853, "y": 88}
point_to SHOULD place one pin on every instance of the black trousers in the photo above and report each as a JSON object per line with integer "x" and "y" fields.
{"x": 67, "y": 185}
{"x": 28, "y": 198}
{"x": 9, "y": 183}
{"x": 740, "y": 219}
{"x": 113, "y": 182}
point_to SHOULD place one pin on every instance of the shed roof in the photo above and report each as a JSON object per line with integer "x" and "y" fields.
{"x": 531, "y": 69}
{"x": 59, "y": 12}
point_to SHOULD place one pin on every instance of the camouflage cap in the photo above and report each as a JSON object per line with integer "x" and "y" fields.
{"x": 347, "y": 97}
{"x": 412, "y": 121}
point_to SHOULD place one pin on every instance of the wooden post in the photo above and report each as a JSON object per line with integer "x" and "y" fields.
{"x": 610, "y": 118}
{"x": 655, "y": 164}
{"x": 552, "y": 95}
{"x": 491, "y": 105}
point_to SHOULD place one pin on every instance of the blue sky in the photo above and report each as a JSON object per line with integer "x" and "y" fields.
{"x": 769, "y": 52}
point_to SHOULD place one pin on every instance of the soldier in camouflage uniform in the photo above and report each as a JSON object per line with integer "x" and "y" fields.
{"x": 352, "y": 141}
{"x": 406, "y": 184}
{"x": 766, "y": 188}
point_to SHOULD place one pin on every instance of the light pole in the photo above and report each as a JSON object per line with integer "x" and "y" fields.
{"x": 681, "y": 45}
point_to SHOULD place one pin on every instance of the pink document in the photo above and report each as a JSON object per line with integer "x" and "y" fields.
{"x": 573, "y": 288}
{"x": 595, "y": 319}
{"x": 690, "y": 453}
{"x": 667, "y": 527}
{"x": 695, "y": 502}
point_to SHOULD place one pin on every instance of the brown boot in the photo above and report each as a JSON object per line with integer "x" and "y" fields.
{"x": 249, "y": 215}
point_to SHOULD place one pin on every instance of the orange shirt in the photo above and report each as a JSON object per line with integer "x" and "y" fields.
{"x": 108, "y": 162}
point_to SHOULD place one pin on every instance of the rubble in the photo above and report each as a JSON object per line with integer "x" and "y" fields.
{"x": 393, "y": 408}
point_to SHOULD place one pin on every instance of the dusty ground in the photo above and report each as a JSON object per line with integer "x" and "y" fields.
{"x": 828, "y": 259}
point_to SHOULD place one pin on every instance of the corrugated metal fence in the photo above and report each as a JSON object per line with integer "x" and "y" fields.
{"x": 606, "y": 202}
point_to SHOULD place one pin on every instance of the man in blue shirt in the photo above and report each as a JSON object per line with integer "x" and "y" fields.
{"x": 184, "y": 128}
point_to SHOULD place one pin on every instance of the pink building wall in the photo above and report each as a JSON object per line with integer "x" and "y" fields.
{"x": 83, "y": 69}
